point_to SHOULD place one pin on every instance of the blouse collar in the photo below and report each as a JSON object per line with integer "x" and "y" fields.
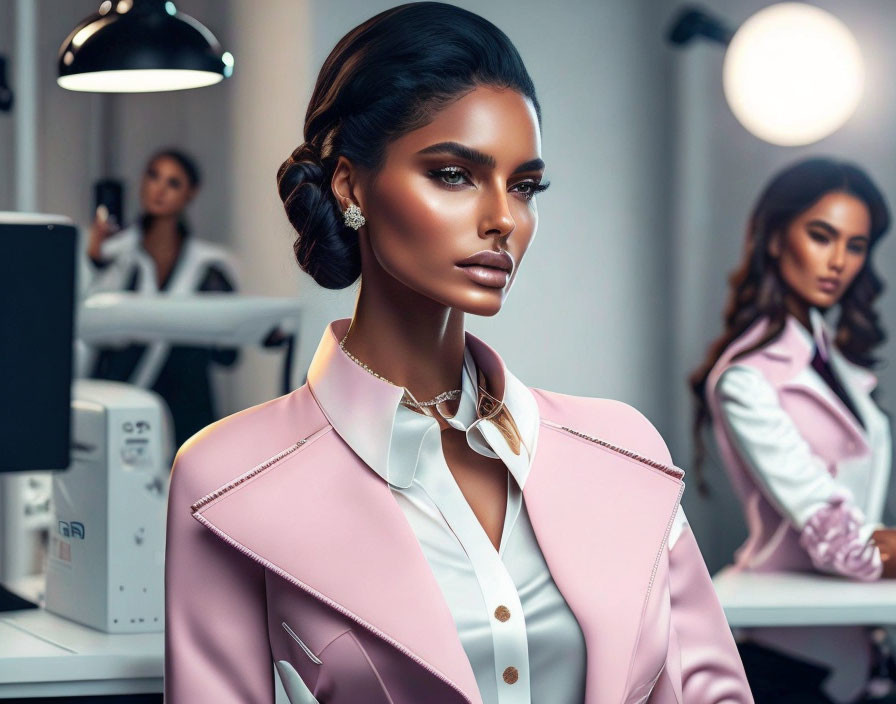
{"x": 366, "y": 411}
{"x": 820, "y": 335}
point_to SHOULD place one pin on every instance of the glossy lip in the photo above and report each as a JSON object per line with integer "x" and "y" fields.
{"x": 490, "y": 258}
{"x": 828, "y": 285}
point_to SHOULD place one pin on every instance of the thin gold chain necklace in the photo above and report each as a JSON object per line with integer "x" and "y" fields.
{"x": 407, "y": 399}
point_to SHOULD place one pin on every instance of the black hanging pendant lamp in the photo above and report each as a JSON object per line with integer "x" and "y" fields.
{"x": 141, "y": 46}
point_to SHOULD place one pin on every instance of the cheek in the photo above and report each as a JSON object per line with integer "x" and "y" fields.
{"x": 526, "y": 225}
{"x": 416, "y": 221}
{"x": 176, "y": 198}
{"x": 803, "y": 256}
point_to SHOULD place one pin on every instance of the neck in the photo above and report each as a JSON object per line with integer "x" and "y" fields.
{"x": 162, "y": 232}
{"x": 418, "y": 344}
{"x": 799, "y": 309}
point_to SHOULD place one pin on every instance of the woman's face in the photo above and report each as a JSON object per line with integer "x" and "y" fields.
{"x": 824, "y": 248}
{"x": 452, "y": 211}
{"x": 165, "y": 189}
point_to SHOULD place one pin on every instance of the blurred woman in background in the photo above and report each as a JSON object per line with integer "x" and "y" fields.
{"x": 788, "y": 396}
{"x": 159, "y": 254}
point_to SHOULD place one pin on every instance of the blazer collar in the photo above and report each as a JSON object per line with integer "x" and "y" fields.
{"x": 798, "y": 344}
{"x": 783, "y": 360}
{"x": 391, "y": 437}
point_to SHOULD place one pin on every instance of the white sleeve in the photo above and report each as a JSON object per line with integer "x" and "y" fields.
{"x": 832, "y": 529}
{"x": 795, "y": 480}
{"x": 679, "y": 523}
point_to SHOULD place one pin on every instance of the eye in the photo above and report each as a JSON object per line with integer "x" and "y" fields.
{"x": 530, "y": 188}
{"x": 818, "y": 236}
{"x": 857, "y": 247}
{"x": 452, "y": 176}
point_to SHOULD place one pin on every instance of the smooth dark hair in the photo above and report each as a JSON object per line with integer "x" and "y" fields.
{"x": 756, "y": 288}
{"x": 385, "y": 78}
{"x": 194, "y": 176}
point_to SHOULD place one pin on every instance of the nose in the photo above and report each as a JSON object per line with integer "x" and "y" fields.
{"x": 497, "y": 220}
{"x": 838, "y": 257}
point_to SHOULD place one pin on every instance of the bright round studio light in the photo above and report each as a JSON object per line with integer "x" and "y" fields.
{"x": 793, "y": 74}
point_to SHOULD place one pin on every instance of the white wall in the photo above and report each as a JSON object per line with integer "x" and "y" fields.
{"x": 270, "y": 88}
{"x": 7, "y": 121}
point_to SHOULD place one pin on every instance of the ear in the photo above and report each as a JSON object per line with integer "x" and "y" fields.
{"x": 345, "y": 184}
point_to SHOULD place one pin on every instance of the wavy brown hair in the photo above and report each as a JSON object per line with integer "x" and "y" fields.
{"x": 757, "y": 290}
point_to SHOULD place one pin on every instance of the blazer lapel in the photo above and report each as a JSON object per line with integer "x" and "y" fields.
{"x": 788, "y": 360}
{"x": 812, "y": 384}
{"x": 605, "y": 576}
{"x": 320, "y": 518}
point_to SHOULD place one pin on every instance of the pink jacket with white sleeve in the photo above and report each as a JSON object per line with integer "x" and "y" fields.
{"x": 812, "y": 480}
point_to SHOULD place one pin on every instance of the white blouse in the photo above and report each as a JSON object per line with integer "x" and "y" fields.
{"x": 522, "y": 640}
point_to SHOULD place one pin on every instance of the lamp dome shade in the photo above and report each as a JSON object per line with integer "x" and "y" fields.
{"x": 793, "y": 74}
{"x": 139, "y": 46}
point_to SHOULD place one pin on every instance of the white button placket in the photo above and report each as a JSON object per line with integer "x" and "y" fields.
{"x": 509, "y": 637}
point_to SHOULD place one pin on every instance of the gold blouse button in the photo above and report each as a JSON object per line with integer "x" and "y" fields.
{"x": 511, "y": 675}
{"x": 502, "y": 613}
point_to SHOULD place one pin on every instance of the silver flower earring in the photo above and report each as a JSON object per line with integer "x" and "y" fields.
{"x": 352, "y": 216}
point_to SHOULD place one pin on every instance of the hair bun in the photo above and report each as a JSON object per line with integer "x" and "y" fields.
{"x": 301, "y": 167}
{"x": 325, "y": 248}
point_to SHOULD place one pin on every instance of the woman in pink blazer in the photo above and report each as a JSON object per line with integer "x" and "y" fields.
{"x": 805, "y": 445}
{"x": 414, "y": 524}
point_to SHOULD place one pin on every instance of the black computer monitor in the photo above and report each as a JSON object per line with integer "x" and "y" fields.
{"x": 37, "y": 304}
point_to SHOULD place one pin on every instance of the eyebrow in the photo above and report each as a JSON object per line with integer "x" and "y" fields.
{"x": 824, "y": 226}
{"x": 833, "y": 230}
{"x": 477, "y": 157}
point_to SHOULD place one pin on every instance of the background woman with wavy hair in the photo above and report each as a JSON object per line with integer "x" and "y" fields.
{"x": 805, "y": 445}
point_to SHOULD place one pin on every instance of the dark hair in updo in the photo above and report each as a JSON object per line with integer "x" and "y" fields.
{"x": 385, "y": 78}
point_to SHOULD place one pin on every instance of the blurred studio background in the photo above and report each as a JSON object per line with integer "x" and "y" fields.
{"x": 653, "y": 178}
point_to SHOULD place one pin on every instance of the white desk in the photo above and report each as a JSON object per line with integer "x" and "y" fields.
{"x": 44, "y": 655}
{"x": 798, "y": 599}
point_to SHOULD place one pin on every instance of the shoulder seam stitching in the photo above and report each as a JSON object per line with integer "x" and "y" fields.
{"x": 257, "y": 469}
{"x": 671, "y": 470}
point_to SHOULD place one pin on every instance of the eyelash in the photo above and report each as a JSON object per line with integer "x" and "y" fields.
{"x": 534, "y": 188}
{"x": 818, "y": 237}
{"x": 154, "y": 174}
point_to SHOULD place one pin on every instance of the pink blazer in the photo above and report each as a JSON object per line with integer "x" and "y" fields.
{"x": 264, "y": 563}
{"x": 821, "y": 418}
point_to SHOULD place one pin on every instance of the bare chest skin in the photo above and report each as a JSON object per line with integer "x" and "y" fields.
{"x": 482, "y": 481}
{"x": 164, "y": 258}
{"x": 163, "y": 270}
